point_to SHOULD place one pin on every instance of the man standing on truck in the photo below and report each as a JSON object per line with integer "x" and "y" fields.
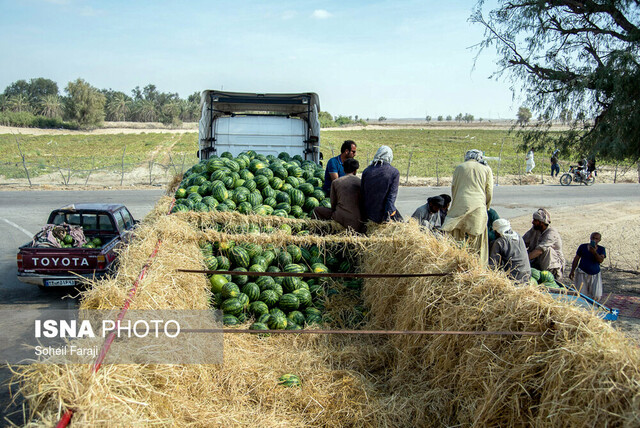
{"x": 335, "y": 166}
{"x": 471, "y": 191}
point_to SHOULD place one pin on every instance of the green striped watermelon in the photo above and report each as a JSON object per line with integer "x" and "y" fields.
{"x": 230, "y": 290}
{"x": 269, "y": 297}
{"x": 288, "y": 302}
{"x": 252, "y": 290}
{"x": 277, "y": 322}
{"x": 232, "y": 306}
{"x": 258, "y": 308}
{"x": 296, "y": 317}
{"x": 228, "y": 319}
{"x": 240, "y": 257}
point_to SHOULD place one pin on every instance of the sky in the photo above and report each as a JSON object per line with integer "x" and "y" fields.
{"x": 396, "y": 58}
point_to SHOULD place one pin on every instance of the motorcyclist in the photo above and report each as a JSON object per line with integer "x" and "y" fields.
{"x": 583, "y": 171}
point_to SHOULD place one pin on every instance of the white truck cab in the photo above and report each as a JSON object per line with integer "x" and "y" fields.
{"x": 266, "y": 123}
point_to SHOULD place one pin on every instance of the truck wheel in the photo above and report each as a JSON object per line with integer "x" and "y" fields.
{"x": 565, "y": 179}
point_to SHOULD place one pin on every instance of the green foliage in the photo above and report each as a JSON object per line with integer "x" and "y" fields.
{"x": 524, "y": 116}
{"x": 578, "y": 59}
{"x": 29, "y": 120}
{"x": 84, "y": 104}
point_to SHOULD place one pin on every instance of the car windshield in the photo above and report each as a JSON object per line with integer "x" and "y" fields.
{"x": 88, "y": 221}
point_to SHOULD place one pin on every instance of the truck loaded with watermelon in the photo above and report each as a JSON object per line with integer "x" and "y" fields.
{"x": 79, "y": 241}
{"x": 259, "y": 156}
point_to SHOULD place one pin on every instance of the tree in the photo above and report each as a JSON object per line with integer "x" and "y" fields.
{"x": 118, "y": 106}
{"x": 382, "y": 119}
{"x": 459, "y": 117}
{"x": 50, "y": 106}
{"x": 565, "y": 116}
{"x": 448, "y": 118}
{"x": 572, "y": 55}
{"x": 440, "y": 118}
{"x": 84, "y": 104}
{"x": 428, "y": 118}
{"x": 524, "y": 116}
{"x": 33, "y": 91}
{"x": 19, "y": 103}
{"x": 468, "y": 118}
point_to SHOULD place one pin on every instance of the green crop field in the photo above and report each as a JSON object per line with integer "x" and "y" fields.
{"x": 430, "y": 152}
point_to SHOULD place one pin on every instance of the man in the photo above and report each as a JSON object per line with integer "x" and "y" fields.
{"x": 445, "y": 207}
{"x": 492, "y": 216}
{"x": 509, "y": 253}
{"x": 380, "y": 183}
{"x": 555, "y": 167}
{"x": 345, "y": 199}
{"x": 429, "y": 214}
{"x": 544, "y": 245}
{"x": 530, "y": 163}
{"x": 471, "y": 191}
{"x": 335, "y": 168}
{"x": 585, "y": 269}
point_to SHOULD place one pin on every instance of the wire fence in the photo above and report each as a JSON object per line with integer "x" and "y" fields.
{"x": 417, "y": 167}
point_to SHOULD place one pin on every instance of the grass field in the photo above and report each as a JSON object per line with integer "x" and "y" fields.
{"x": 424, "y": 152}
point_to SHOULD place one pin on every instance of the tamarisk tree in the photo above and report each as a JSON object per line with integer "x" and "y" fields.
{"x": 580, "y": 56}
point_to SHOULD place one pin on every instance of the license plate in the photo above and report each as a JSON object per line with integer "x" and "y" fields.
{"x": 59, "y": 282}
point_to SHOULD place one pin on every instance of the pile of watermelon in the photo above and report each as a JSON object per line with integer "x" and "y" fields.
{"x": 252, "y": 183}
{"x": 273, "y": 303}
{"x": 543, "y": 277}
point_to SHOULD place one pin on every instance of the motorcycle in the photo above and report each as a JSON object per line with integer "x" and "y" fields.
{"x": 578, "y": 175}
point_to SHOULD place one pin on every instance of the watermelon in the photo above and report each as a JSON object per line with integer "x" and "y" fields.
{"x": 289, "y": 380}
{"x": 295, "y": 252}
{"x": 306, "y": 188}
{"x": 284, "y": 207}
{"x": 296, "y": 317}
{"x": 229, "y": 290}
{"x": 240, "y": 279}
{"x": 259, "y": 326}
{"x": 253, "y": 250}
{"x": 264, "y": 281}
{"x": 312, "y": 311}
{"x": 546, "y": 276}
{"x": 181, "y": 193}
{"x": 264, "y": 317}
{"x": 277, "y": 322}
{"x": 244, "y": 299}
{"x": 276, "y": 183}
{"x": 319, "y": 195}
{"x": 232, "y": 306}
{"x": 303, "y": 295}
{"x": 258, "y": 308}
{"x": 294, "y": 268}
{"x": 240, "y": 257}
{"x": 261, "y": 182}
{"x": 276, "y": 286}
{"x": 217, "y": 281}
{"x": 211, "y": 262}
{"x": 291, "y": 283}
{"x": 269, "y": 297}
{"x": 292, "y": 181}
{"x": 288, "y": 302}
{"x": 319, "y": 268}
{"x": 223, "y": 263}
{"x": 246, "y": 175}
{"x": 255, "y": 199}
{"x": 311, "y": 203}
{"x": 228, "y": 319}
{"x": 535, "y": 274}
{"x": 284, "y": 259}
{"x": 266, "y": 172}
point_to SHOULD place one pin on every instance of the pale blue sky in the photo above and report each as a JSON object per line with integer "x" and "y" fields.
{"x": 399, "y": 58}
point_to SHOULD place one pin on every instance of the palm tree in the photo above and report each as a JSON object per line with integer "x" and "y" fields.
{"x": 145, "y": 111}
{"x": 51, "y": 106}
{"x": 118, "y": 108}
{"x": 19, "y": 103}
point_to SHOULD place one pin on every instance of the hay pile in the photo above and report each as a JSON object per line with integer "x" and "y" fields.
{"x": 581, "y": 373}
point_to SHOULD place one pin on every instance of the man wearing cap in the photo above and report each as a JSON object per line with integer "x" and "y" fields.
{"x": 429, "y": 214}
{"x": 544, "y": 245}
{"x": 471, "y": 192}
{"x": 509, "y": 253}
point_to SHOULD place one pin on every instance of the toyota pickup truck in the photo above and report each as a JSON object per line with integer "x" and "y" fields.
{"x": 110, "y": 225}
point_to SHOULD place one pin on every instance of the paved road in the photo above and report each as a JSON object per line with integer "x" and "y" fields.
{"x": 23, "y": 213}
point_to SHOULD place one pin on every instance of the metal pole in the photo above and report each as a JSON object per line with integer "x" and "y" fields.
{"x": 122, "y": 175}
{"x": 23, "y": 162}
{"x": 409, "y": 167}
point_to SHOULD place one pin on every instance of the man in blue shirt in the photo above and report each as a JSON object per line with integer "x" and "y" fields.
{"x": 585, "y": 269}
{"x": 335, "y": 168}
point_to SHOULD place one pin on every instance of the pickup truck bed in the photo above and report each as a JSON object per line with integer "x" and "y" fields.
{"x": 52, "y": 266}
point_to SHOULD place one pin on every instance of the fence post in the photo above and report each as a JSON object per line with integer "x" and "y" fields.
{"x": 615, "y": 174}
{"x": 150, "y": 173}
{"x": 64, "y": 181}
{"x": 182, "y": 167}
{"x": 437, "y": 173}
{"x": 409, "y": 167}
{"x": 93, "y": 162}
{"x": 122, "y": 175}
{"x": 542, "y": 174}
{"x": 520, "y": 169}
{"x": 24, "y": 165}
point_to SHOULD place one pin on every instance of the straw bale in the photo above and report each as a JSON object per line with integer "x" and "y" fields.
{"x": 580, "y": 373}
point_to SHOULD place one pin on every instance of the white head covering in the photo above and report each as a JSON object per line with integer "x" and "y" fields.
{"x": 383, "y": 155}
{"x": 475, "y": 155}
{"x": 503, "y": 227}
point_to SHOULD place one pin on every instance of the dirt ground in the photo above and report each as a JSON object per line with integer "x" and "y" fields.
{"x": 619, "y": 225}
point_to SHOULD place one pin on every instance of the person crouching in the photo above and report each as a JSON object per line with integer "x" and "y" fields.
{"x": 509, "y": 253}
